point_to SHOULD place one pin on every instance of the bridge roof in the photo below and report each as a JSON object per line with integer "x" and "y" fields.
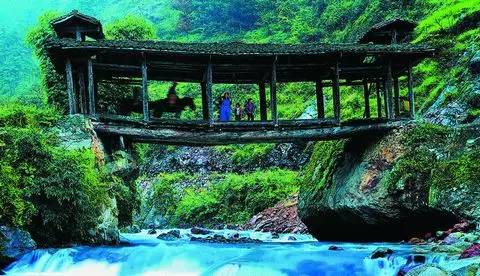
{"x": 236, "y": 62}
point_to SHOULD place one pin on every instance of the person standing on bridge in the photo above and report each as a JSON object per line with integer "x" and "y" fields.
{"x": 250, "y": 109}
{"x": 225, "y": 108}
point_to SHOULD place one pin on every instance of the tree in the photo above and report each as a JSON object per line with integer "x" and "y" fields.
{"x": 131, "y": 27}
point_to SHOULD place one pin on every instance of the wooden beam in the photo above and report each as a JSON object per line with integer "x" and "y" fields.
{"x": 385, "y": 97}
{"x": 396, "y": 97}
{"x": 91, "y": 87}
{"x": 204, "y": 101}
{"x": 366, "y": 95}
{"x": 146, "y": 112}
{"x": 379, "y": 99}
{"x": 210, "y": 138}
{"x": 336, "y": 91}
{"x": 389, "y": 85}
{"x": 411, "y": 96}
{"x": 208, "y": 92}
{"x": 273, "y": 92}
{"x": 82, "y": 97}
{"x": 320, "y": 100}
{"x": 263, "y": 101}
{"x": 72, "y": 102}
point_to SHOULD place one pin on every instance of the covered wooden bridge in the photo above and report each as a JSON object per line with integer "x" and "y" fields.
{"x": 81, "y": 53}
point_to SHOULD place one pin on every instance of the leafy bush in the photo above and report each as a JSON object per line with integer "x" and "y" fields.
{"x": 56, "y": 194}
{"x": 235, "y": 198}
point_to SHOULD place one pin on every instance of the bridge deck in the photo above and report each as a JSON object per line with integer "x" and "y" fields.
{"x": 200, "y": 133}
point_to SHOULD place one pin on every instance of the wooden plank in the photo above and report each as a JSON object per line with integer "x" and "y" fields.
{"x": 411, "y": 95}
{"x": 146, "y": 112}
{"x": 396, "y": 96}
{"x": 82, "y": 97}
{"x": 320, "y": 99}
{"x": 389, "y": 80}
{"x": 210, "y": 138}
{"x": 91, "y": 87}
{"x": 366, "y": 95}
{"x": 72, "y": 102}
{"x": 273, "y": 93}
{"x": 204, "y": 101}
{"x": 379, "y": 99}
{"x": 336, "y": 91}
{"x": 209, "y": 96}
{"x": 263, "y": 101}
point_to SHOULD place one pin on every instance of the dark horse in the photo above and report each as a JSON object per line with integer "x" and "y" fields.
{"x": 157, "y": 108}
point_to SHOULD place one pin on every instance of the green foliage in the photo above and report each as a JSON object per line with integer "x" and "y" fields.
{"x": 319, "y": 171}
{"x": 233, "y": 199}
{"x": 131, "y": 27}
{"x": 167, "y": 192}
{"x": 53, "y": 84}
{"x": 56, "y": 194}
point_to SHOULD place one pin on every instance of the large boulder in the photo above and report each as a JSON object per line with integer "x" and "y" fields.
{"x": 282, "y": 218}
{"x": 410, "y": 182}
{"x": 13, "y": 244}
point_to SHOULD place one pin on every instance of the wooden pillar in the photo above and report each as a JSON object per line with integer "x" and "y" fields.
{"x": 208, "y": 92}
{"x": 385, "y": 96}
{"x": 320, "y": 100}
{"x": 396, "y": 92}
{"x": 389, "y": 85}
{"x": 263, "y": 101}
{"x": 72, "y": 102}
{"x": 379, "y": 99}
{"x": 411, "y": 96}
{"x": 82, "y": 97}
{"x": 366, "y": 95}
{"x": 273, "y": 92}
{"x": 204, "y": 101}
{"x": 336, "y": 91}
{"x": 146, "y": 112}
{"x": 91, "y": 87}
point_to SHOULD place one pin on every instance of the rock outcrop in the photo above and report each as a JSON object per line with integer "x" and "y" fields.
{"x": 13, "y": 244}
{"x": 413, "y": 181}
{"x": 282, "y": 218}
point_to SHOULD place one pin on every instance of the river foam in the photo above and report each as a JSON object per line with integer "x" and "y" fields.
{"x": 147, "y": 255}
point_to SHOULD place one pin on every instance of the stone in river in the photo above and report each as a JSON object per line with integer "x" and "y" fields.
{"x": 381, "y": 252}
{"x": 200, "y": 231}
{"x": 170, "y": 235}
{"x": 472, "y": 251}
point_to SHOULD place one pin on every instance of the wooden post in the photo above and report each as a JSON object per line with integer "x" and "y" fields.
{"x": 91, "y": 87}
{"x": 396, "y": 92}
{"x": 389, "y": 99}
{"x": 146, "y": 112}
{"x": 263, "y": 101}
{"x": 366, "y": 95}
{"x": 208, "y": 92}
{"x": 411, "y": 96}
{"x": 72, "y": 102}
{"x": 379, "y": 99}
{"x": 204, "y": 101}
{"x": 336, "y": 91}
{"x": 273, "y": 92}
{"x": 320, "y": 100}
{"x": 82, "y": 97}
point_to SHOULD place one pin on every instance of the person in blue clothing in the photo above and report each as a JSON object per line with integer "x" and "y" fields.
{"x": 225, "y": 108}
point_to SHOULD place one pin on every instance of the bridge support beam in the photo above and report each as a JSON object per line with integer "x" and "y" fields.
{"x": 82, "y": 96}
{"x": 411, "y": 96}
{"x": 263, "y": 101}
{"x": 336, "y": 91}
{"x": 146, "y": 112}
{"x": 208, "y": 92}
{"x": 389, "y": 93}
{"x": 72, "y": 101}
{"x": 379, "y": 99}
{"x": 91, "y": 88}
{"x": 273, "y": 92}
{"x": 320, "y": 100}
{"x": 396, "y": 96}
{"x": 366, "y": 95}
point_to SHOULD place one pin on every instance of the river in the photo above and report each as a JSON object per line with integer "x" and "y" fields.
{"x": 143, "y": 254}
